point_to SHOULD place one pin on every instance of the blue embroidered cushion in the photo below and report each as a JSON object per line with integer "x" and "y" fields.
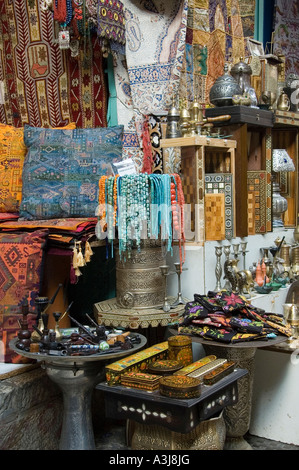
{"x": 62, "y": 169}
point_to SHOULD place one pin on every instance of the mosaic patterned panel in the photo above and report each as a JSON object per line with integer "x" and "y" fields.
{"x": 268, "y": 196}
{"x": 256, "y": 183}
{"x": 222, "y": 183}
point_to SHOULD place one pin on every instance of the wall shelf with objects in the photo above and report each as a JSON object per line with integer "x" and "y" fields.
{"x": 285, "y": 136}
{"x": 208, "y": 168}
{"x": 252, "y": 130}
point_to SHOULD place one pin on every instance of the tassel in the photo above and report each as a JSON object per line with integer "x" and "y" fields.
{"x": 80, "y": 258}
{"x": 88, "y": 252}
{"x": 75, "y": 257}
{"x": 78, "y": 272}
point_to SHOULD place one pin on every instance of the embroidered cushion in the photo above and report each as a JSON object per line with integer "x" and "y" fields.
{"x": 12, "y": 153}
{"x": 21, "y": 267}
{"x": 62, "y": 170}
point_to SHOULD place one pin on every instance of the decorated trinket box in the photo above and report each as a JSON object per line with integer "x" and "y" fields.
{"x": 137, "y": 362}
{"x": 195, "y": 365}
{"x": 200, "y": 373}
{"x": 180, "y": 349}
{"x": 217, "y": 374}
{"x": 180, "y": 386}
{"x": 140, "y": 380}
{"x": 164, "y": 367}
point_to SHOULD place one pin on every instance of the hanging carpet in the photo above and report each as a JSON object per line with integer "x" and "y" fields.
{"x": 44, "y": 86}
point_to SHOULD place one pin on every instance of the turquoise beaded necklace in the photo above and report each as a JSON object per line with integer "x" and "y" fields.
{"x": 144, "y": 209}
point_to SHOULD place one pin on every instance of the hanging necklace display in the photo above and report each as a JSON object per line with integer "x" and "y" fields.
{"x": 141, "y": 206}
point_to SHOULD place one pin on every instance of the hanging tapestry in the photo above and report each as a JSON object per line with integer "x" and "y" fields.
{"x": 155, "y": 40}
{"x": 44, "y": 86}
{"x": 216, "y": 32}
{"x": 286, "y": 34}
{"x": 148, "y": 74}
{"x": 125, "y": 111}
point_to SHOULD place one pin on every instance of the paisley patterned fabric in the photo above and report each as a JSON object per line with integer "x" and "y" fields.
{"x": 62, "y": 170}
{"x": 21, "y": 264}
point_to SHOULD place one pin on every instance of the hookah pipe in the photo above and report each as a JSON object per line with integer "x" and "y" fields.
{"x": 275, "y": 250}
{"x": 82, "y": 327}
{"x": 52, "y": 300}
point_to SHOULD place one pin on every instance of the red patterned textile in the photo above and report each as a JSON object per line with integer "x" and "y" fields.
{"x": 21, "y": 263}
{"x": 43, "y": 85}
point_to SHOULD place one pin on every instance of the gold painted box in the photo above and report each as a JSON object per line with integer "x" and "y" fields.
{"x": 180, "y": 386}
{"x": 217, "y": 374}
{"x": 164, "y": 367}
{"x": 180, "y": 349}
{"x": 136, "y": 362}
{"x": 195, "y": 365}
{"x": 140, "y": 380}
{"x": 204, "y": 370}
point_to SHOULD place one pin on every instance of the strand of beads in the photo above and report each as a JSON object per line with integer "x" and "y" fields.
{"x": 155, "y": 205}
{"x": 122, "y": 215}
{"x": 166, "y": 222}
{"x": 102, "y": 203}
{"x": 181, "y": 203}
{"x": 133, "y": 201}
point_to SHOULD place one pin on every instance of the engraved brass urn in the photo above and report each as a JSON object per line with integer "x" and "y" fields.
{"x": 223, "y": 90}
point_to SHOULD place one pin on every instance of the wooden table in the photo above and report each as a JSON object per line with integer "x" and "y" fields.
{"x": 237, "y": 417}
{"x": 177, "y": 419}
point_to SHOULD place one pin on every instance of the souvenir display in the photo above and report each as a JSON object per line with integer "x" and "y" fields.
{"x": 229, "y": 318}
{"x": 194, "y": 366}
{"x": 180, "y": 349}
{"x": 203, "y": 371}
{"x": 82, "y": 341}
{"x": 180, "y": 387}
{"x": 137, "y": 362}
{"x": 140, "y": 380}
{"x": 141, "y": 206}
{"x": 164, "y": 367}
{"x": 218, "y": 373}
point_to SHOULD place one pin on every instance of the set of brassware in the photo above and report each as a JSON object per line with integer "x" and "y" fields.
{"x": 269, "y": 273}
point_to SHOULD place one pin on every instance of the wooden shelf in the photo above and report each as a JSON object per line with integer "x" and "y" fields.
{"x": 198, "y": 141}
{"x": 208, "y": 180}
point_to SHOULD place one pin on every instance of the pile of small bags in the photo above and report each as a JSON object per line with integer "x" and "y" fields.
{"x": 228, "y": 317}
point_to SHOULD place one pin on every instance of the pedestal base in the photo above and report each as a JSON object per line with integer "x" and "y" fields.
{"x": 77, "y": 383}
{"x": 208, "y": 435}
{"x": 237, "y": 417}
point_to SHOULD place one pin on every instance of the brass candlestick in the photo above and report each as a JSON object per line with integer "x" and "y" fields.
{"x": 226, "y": 251}
{"x": 243, "y": 249}
{"x": 218, "y": 269}
{"x": 236, "y": 250}
{"x": 179, "y": 300}
{"x": 165, "y": 272}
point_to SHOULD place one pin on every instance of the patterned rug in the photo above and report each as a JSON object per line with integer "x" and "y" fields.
{"x": 43, "y": 85}
{"x": 286, "y": 33}
{"x": 216, "y": 32}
